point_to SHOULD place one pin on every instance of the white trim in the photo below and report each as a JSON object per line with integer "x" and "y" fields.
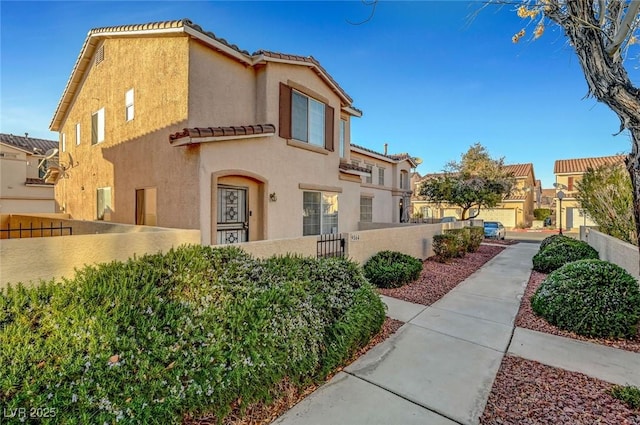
{"x": 183, "y": 141}
{"x": 351, "y": 111}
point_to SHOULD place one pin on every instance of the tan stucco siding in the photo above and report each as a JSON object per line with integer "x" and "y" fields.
{"x": 134, "y": 153}
{"x": 222, "y": 91}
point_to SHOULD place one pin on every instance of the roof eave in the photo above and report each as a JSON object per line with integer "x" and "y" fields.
{"x": 184, "y": 141}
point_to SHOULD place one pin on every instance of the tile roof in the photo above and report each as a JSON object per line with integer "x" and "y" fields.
{"x": 350, "y": 167}
{"x": 581, "y": 165}
{"x": 519, "y": 170}
{"x": 515, "y": 198}
{"x": 30, "y": 144}
{"x": 31, "y": 180}
{"x": 241, "y": 130}
{"x": 393, "y": 157}
{"x": 91, "y": 43}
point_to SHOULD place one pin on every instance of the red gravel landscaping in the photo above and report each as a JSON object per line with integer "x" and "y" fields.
{"x": 437, "y": 278}
{"x": 529, "y": 393}
{"x": 526, "y": 318}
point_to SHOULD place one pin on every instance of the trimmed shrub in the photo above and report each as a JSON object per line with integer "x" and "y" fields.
{"x": 190, "y": 331}
{"x": 464, "y": 239}
{"x": 447, "y": 246}
{"x": 541, "y": 213}
{"x": 392, "y": 269}
{"x": 553, "y": 239}
{"x": 592, "y": 298}
{"x": 476, "y": 236}
{"x": 558, "y": 253}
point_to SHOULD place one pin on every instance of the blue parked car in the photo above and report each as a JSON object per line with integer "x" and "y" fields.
{"x": 494, "y": 229}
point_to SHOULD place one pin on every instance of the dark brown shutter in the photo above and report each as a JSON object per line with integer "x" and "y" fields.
{"x": 328, "y": 128}
{"x": 285, "y": 111}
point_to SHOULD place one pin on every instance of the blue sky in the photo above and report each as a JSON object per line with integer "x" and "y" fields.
{"x": 430, "y": 79}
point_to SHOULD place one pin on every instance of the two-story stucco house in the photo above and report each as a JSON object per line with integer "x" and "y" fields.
{"x": 22, "y": 187}
{"x": 516, "y": 209}
{"x": 568, "y": 173}
{"x": 170, "y": 125}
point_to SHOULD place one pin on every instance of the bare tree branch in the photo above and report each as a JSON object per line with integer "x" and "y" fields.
{"x": 625, "y": 28}
{"x": 373, "y": 4}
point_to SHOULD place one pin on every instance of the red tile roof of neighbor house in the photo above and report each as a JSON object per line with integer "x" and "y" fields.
{"x": 581, "y": 165}
{"x": 242, "y": 130}
{"x": 394, "y": 157}
{"x": 90, "y": 44}
{"x": 28, "y": 144}
{"x": 518, "y": 170}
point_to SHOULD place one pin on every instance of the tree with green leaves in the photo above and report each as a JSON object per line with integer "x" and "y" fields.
{"x": 477, "y": 181}
{"x": 606, "y": 194}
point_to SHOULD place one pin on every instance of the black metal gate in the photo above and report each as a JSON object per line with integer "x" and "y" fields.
{"x": 330, "y": 245}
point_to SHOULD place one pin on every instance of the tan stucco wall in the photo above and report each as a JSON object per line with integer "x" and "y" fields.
{"x": 135, "y": 154}
{"x": 614, "y": 250}
{"x": 15, "y": 195}
{"x": 25, "y": 260}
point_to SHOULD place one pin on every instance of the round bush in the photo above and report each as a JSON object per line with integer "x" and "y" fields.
{"x": 391, "y": 269}
{"x": 557, "y": 254}
{"x": 554, "y": 239}
{"x": 592, "y": 298}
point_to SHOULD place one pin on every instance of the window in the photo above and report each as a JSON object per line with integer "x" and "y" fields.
{"x": 63, "y": 144}
{"x": 103, "y": 206}
{"x": 146, "y": 202}
{"x": 97, "y": 126}
{"x": 404, "y": 180}
{"x": 128, "y": 101}
{"x": 366, "y": 209}
{"x": 343, "y": 125}
{"x": 320, "y": 213}
{"x": 77, "y": 134}
{"x": 369, "y": 177}
{"x": 381, "y": 176}
{"x": 305, "y": 119}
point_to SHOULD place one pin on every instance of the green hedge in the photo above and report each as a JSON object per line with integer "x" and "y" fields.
{"x": 559, "y": 252}
{"x": 191, "y": 331}
{"x": 476, "y": 235}
{"x": 591, "y": 298}
{"x": 392, "y": 269}
{"x": 554, "y": 239}
{"x": 541, "y": 213}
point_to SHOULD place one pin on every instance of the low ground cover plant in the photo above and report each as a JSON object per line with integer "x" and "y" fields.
{"x": 560, "y": 251}
{"x": 392, "y": 269}
{"x": 628, "y": 394}
{"x": 593, "y": 298}
{"x": 192, "y": 331}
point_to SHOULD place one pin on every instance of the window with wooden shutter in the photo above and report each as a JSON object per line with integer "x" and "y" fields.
{"x": 305, "y": 119}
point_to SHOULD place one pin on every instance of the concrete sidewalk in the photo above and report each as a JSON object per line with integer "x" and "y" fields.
{"x": 440, "y": 366}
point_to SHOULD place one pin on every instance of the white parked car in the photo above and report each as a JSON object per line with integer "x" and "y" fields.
{"x": 494, "y": 229}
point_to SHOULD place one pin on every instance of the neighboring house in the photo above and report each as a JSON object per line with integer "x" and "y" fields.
{"x": 22, "y": 188}
{"x": 386, "y": 189}
{"x": 515, "y": 210}
{"x": 169, "y": 125}
{"x": 568, "y": 173}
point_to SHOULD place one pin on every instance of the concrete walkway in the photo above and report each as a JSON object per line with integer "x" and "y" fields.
{"x": 439, "y": 367}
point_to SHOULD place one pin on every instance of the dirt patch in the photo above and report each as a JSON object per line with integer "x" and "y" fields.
{"x": 529, "y": 393}
{"x": 526, "y": 318}
{"x": 500, "y": 241}
{"x": 437, "y": 278}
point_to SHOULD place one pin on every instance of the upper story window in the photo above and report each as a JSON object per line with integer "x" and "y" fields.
{"x": 369, "y": 177}
{"x": 77, "y": 134}
{"x": 63, "y": 143}
{"x": 128, "y": 101}
{"x": 404, "y": 179}
{"x": 97, "y": 126}
{"x": 343, "y": 139}
{"x": 305, "y": 118}
{"x": 381, "y": 176}
{"x": 366, "y": 209}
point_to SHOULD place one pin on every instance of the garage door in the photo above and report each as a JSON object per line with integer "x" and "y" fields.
{"x": 507, "y": 216}
{"x": 577, "y": 217}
